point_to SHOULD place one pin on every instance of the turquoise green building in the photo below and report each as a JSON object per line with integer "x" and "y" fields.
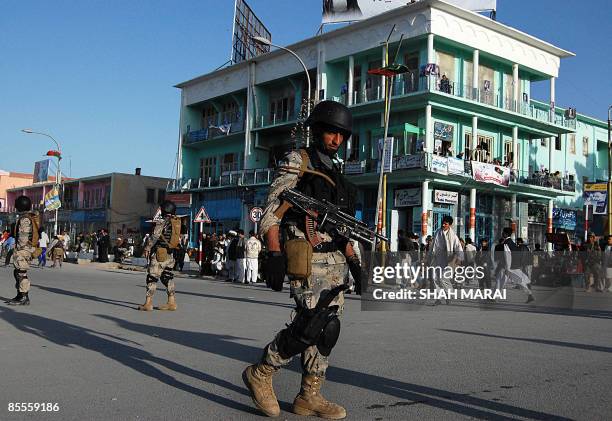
{"x": 468, "y": 138}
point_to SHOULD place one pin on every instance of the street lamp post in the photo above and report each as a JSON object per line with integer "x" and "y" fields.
{"x": 264, "y": 41}
{"x": 609, "y": 169}
{"x": 58, "y": 175}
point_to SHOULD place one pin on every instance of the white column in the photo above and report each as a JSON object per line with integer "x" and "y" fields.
{"x": 551, "y": 140}
{"x": 473, "y": 215}
{"x": 514, "y": 215}
{"x": 515, "y": 87}
{"x": 474, "y": 140}
{"x": 515, "y": 157}
{"x": 428, "y": 130}
{"x": 475, "y": 60}
{"x": 552, "y": 97}
{"x": 321, "y": 71}
{"x": 425, "y": 194}
{"x": 351, "y": 77}
{"x": 247, "y": 113}
{"x": 430, "y": 49}
{"x": 179, "y": 159}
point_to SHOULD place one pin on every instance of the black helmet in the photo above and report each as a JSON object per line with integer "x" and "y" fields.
{"x": 23, "y": 204}
{"x": 168, "y": 208}
{"x": 331, "y": 115}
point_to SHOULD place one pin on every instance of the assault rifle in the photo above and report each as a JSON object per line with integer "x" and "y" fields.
{"x": 329, "y": 218}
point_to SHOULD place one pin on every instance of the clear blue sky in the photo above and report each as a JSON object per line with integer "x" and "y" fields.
{"x": 98, "y": 74}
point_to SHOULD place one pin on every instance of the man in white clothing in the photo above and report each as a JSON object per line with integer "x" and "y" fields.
{"x": 446, "y": 251}
{"x": 253, "y": 247}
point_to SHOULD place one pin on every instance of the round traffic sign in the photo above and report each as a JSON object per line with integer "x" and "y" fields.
{"x": 255, "y": 214}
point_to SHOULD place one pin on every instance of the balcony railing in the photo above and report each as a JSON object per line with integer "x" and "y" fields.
{"x": 407, "y": 83}
{"x": 260, "y": 176}
{"x": 213, "y": 132}
{"x": 274, "y": 119}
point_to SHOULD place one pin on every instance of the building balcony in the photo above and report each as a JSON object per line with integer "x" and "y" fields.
{"x": 274, "y": 120}
{"x": 408, "y": 85}
{"x": 430, "y": 165}
{"x": 213, "y": 132}
{"x": 240, "y": 178}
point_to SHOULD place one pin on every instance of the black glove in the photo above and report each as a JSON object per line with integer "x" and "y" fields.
{"x": 355, "y": 269}
{"x": 276, "y": 269}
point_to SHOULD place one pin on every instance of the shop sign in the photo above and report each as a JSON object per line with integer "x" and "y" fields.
{"x": 595, "y": 195}
{"x": 439, "y": 164}
{"x": 407, "y": 197}
{"x": 489, "y": 173}
{"x": 406, "y": 162}
{"x": 564, "y": 218}
{"x": 445, "y": 196}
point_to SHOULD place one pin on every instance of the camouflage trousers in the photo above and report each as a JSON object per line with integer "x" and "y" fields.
{"x": 158, "y": 271}
{"x": 21, "y": 261}
{"x": 328, "y": 271}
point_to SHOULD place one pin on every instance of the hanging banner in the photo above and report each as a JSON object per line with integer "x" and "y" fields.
{"x": 41, "y": 171}
{"x": 406, "y": 162}
{"x": 439, "y": 164}
{"x": 564, "y": 218}
{"x": 455, "y": 166}
{"x": 444, "y": 132}
{"x": 354, "y": 167}
{"x": 388, "y": 155}
{"x": 335, "y": 11}
{"x": 52, "y": 200}
{"x": 595, "y": 195}
{"x": 493, "y": 174}
{"x": 407, "y": 197}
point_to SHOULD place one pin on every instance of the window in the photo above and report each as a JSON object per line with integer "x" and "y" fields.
{"x": 558, "y": 143}
{"x": 571, "y": 138}
{"x": 508, "y": 91}
{"x": 543, "y": 141}
{"x": 353, "y": 154}
{"x": 230, "y": 113}
{"x": 585, "y": 146}
{"x": 411, "y": 78}
{"x": 209, "y": 117}
{"x": 230, "y": 162}
{"x": 281, "y": 109}
{"x": 446, "y": 62}
{"x": 161, "y": 195}
{"x": 482, "y": 149}
{"x": 150, "y": 195}
{"x": 357, "y": 78}
{"x": 373, "y": 82}
{"x": 207, "y": 167}
{"x": 508, "y": 152}
{"x": 469, "y": 76}
{"x": 486, "y": 84}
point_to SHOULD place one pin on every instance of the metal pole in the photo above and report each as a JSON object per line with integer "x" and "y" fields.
{"x": 609, "y": 169}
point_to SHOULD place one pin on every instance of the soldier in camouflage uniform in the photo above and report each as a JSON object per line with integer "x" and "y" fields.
{"x": 315, "y": 172}
{"x": 26, "y": 240}
{"x": 158, "y": 249}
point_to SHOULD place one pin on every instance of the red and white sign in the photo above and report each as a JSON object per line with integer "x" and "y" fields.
{"x": 255, "y": 214}
{"x": 202, "y": 216}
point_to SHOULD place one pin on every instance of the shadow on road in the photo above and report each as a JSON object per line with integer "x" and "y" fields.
{"x": 60, "y": 291}
{"x": 537, "y": 341}
{"x": 244, "y": 300}
{"x": 69, "y": 335}
{"x": 409, "y": 393}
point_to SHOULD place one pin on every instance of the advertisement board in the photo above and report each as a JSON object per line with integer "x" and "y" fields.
{"x": 455, "y": 166}
{"x": 439, "y": 164}
{"x": 41, "y": 171}
{"x": 407, "y": 197}
{"x": 489, "y": 173}
{"x": 335, "y": 11}
{"x": 388, "y": 153}
{"x": 595, "y": 195}
{"x": 247, "y": 25}
{"x": 406, "y": 162}
{"x": 445, "y": 196}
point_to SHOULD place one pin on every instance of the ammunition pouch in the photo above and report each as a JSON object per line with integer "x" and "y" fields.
{"x": 161, "y": 254}
{"x": 317, "y": 326}
{"x": 166, "y": 277}
{"x": 299, "y": 258}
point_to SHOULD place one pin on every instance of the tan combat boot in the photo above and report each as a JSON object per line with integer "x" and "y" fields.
{"x": 170, "y": 305}
{"x": 148, "y": 305}
{"x": 310, "y": 401}
{"x": 258, "y": 379}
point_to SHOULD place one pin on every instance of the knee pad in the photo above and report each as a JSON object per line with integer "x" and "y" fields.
{"x": 151, "y": 279}
{"x": 289, "y": 345}
{"x": 166, "y": 277}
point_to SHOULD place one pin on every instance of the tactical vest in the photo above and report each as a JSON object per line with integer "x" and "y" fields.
{"x": 171, "y": 234}
{"x": 35, "y": 224}
{"x": 321, "y": 184}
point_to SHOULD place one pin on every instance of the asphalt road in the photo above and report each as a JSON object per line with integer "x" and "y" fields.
{"x": 82, "y": 345}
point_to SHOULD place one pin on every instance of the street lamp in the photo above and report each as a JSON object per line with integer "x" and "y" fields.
{"x": 264, "y": 41}
{"x": 58, "y": 175}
